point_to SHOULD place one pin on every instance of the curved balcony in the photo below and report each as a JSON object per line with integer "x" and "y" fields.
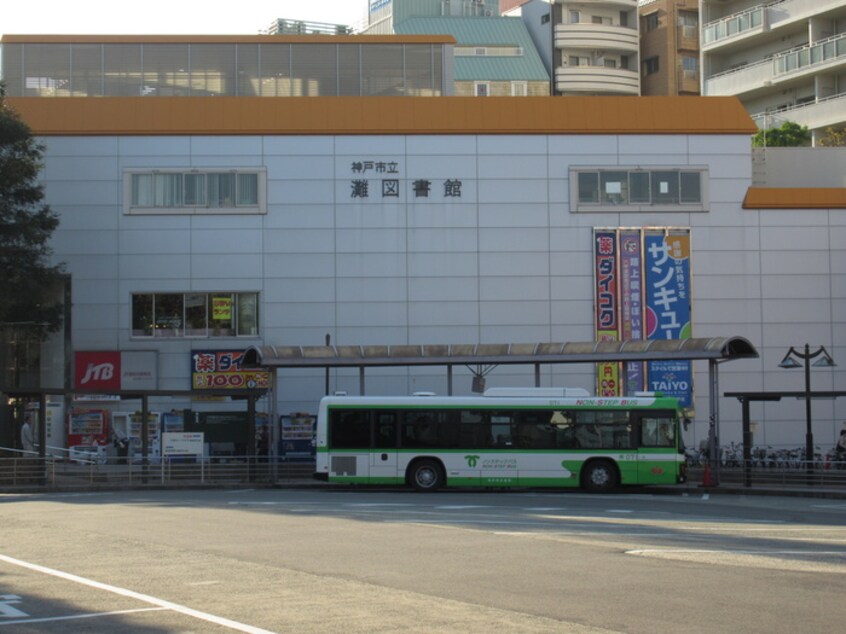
{"x": 596, "y": 80}
{"x": 597, "y": 37}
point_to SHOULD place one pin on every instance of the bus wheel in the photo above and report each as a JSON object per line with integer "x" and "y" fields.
{"x": 426, "y": 475}
{"x": 599, "y": 476}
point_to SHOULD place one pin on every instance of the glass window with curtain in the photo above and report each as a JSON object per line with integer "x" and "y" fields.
{"x": 222, "y": 314}
{"x": 588, "y": 187}
{"x": 248, "y": 314}
{"x": 195, "y": 189}
{"x": 639, "y": 188}
{"x": 142, "y": 315}
{"x": 614, "y": 189}
{"x": 167, "y": 189}
{"x": 247, "y": 189}
{"x": 665, "y": 188}
{"x": 691, "y": 187}
{"x": 142, "y": 190}
{"x": 221, "y": 190}
{"x": 169, "y": 315}
{"x": 196, "y": 315}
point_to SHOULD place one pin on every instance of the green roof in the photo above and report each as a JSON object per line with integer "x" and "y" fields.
{"x": 484, "y": 31}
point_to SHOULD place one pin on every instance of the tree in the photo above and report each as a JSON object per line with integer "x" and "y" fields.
{"x": 788, "y": 135}
{"x": 28, "y": 282}
{"x": 834, "y": 137}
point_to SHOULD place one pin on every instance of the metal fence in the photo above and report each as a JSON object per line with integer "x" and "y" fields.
{"x": 24, "y": 473}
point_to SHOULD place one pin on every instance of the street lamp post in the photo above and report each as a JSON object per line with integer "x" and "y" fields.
{"x": 790, "y": 361}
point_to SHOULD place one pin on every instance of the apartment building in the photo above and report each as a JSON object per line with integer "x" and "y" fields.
{"x": 589, "y": 48}
{"x": 669, "y": 47}
{"x": 785, "y": 60}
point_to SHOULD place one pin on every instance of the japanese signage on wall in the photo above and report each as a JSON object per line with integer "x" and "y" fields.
{"x": 642, "y": 291}
{"x": 607, "y": 300}
{"x": 668, "y": 308}
{"x": 375, "y": 179}
{"x": 104, "y": 370}
{"x": 221, "y": 370}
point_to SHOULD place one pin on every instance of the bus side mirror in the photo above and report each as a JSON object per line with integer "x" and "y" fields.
{"x": 686, "y": 423}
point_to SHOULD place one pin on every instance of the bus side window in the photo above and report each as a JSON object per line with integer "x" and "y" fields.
{"x": 385, "y": 430}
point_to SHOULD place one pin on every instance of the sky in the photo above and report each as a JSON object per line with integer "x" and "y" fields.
{"x": 168, "y": 17}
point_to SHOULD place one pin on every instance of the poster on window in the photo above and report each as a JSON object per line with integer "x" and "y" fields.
{"x": 668, "y": 308}
{"x": 606, "y": 313}
{"x": 221, "y": 370}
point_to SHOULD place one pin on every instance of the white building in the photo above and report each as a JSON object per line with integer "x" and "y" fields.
{"x": 786, "y": 61}
{"x": 590, "y": 48}
{"x": 217, "y": 223}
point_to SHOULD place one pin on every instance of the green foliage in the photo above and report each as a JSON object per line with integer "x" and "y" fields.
{"x": 834, "y": 137}
{"x": 28, "y": 283}
{"x": 788, "y": 135}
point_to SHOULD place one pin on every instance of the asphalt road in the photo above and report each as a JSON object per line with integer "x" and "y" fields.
{"x": 372, "y": 561}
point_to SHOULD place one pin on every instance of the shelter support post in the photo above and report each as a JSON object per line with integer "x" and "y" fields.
{"x": 145, "y": 437}
{"x": 42, "y": 437}
{"x": 537, "y": 375}
{"x": 714, "y": 422}
{"x": 361, "y": 380}
{"x": 747, "y": 444}
{"x": 274, "y": 425}
{"x": 449, "y": 380}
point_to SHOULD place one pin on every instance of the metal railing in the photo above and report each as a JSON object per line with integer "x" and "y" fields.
{"x": 25, "y": 472}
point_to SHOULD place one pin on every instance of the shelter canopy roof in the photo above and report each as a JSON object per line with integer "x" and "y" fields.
{"x": 716, "y": 348}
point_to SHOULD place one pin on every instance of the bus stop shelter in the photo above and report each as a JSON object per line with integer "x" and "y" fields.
{"x": 715, "y": 350}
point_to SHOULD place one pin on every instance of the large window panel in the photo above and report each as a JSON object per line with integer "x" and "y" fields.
{"x": 47, "y": 70}
{"x": 198, "y": 191}
{"x": 166, "y": 70}
{"x": 122, "y": 70}
{"x": 588, "y": 187}
{"x": 314, "y": 70}
{"x": 638, "y": 189}
{"x": 210, "y": 315}
{"x": 196, "y": 315}
{"x": 169, "y": 315}
{"x": 87, "y": 70}
{"x": 213, "y": 70}
{"x": 275, "y": 65}
{"x": 665, "y": 188}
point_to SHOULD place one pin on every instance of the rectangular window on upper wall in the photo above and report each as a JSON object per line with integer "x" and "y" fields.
{"x": 193, "y": 315}
{"x": 650, "y": 66}
{"x": 195, "y": 191}
{"x": 622, "y": 189}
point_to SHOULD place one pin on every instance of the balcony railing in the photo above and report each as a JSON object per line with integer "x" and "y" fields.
{"x": 734, "y": 24}
{"x": 812, "y": 55}
{"x": 822, "y": 113}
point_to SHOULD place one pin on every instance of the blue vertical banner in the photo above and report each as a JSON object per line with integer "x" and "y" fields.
{"x": 668, "y": 308}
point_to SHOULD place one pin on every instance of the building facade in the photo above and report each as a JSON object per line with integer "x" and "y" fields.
{"x": 669, "y": 47}
{"x": 195, "y": 228}
{"x": 785, "y": 61}
{"x": 590, "y": 48}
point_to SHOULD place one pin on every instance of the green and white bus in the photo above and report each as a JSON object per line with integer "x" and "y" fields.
{"x": 508, "y": 437}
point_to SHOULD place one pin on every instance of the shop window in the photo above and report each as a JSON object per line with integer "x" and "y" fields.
{"x": 180, "y": 315}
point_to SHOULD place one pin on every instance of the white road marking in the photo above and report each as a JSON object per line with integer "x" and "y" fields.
{"x": 81, "y": 616}
{"x": 146, "y": 598}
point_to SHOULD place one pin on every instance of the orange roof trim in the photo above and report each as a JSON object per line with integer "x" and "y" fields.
{"x": 795, "y": 198}
{"x": 227, "y": 39}
{"x": 54, "y": 116}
